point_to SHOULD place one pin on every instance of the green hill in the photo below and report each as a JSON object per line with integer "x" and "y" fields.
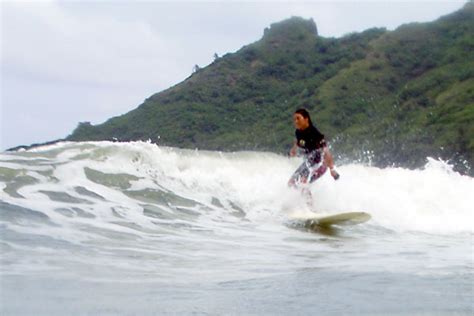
{"x": 396, "y": 97}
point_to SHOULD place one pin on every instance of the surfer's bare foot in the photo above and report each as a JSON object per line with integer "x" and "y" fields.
{"x": 334, "y": 174}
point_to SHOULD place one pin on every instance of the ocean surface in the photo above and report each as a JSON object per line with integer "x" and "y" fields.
{"x": 106, "y": 228}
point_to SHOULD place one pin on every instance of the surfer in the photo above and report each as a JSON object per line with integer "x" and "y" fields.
{"x": 317, "y": 157}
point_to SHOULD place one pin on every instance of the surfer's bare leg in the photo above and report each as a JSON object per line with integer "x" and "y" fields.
{"x": 301, "y": 185}
{"x": 298, "y": 183}
{"x": 307, "y": 196}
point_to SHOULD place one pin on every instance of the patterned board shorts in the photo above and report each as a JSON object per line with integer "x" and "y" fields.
{"x": 309, "y": 171}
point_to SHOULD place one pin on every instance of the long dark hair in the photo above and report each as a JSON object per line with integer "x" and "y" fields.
{"x": 305, "y": 114}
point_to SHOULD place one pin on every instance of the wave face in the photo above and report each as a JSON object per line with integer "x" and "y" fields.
{"x": 137, "y": 211}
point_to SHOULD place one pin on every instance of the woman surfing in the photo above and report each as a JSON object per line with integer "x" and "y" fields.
{"x": 317, "y": 157}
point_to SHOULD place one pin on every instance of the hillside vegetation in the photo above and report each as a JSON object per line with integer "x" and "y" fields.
{"x": 394, "y": 97}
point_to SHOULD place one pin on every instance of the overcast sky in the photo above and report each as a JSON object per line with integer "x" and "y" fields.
{"x": 73, "y": 61}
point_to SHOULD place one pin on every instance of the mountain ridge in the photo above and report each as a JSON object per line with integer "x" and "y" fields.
{"x": 400, "y": 95}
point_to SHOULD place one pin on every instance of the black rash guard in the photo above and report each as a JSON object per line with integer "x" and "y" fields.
{"x": 312, "y": 141}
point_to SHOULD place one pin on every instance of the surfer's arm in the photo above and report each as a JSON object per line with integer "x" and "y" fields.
{"x": 293, "y": 150}
{"x": 329, "y": 162}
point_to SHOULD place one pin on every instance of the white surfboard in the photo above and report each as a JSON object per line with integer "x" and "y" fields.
{"x": 349, "y": 218}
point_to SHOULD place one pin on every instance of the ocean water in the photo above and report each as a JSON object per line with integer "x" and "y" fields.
{"x": 105, "y": 228}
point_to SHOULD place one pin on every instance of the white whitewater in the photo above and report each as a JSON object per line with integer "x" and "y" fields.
{"x": 141, "y": 213}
